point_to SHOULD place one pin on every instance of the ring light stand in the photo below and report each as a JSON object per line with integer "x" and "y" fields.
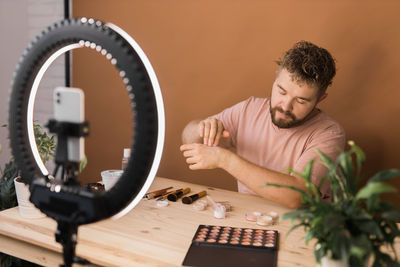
{"x": 67, "y": 203}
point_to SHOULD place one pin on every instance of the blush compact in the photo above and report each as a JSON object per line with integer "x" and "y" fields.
{"x": 214, "y": 245}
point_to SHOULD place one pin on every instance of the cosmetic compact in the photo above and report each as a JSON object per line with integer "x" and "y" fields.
{"x": 214, "y": 245}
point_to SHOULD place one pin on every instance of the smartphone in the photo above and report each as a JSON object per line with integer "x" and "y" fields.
{"x": 69, "y": 107}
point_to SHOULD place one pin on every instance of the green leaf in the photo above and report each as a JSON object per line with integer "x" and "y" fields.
{"x": 360, "y": 156}
{"x": 293, "y": 215}
{"x": 373, "y": 203}
{"x": 355, "y": 215}
{"x": 307, "y": 171}
{"x": 326, "y": 160}
{"x": 392, "y": 215}
{"x": 308, "y": 237}
{"x": 7, "y": 194}
{"x": 335, "y": 180}
{"x": 345, "y": 162}
{"x": 358, "y": 252}
{"x": 311, "y": 188}
{"x": 83, "y": 164}
{"x": 370, "y": 227}
{"x": 385, "y": 175}
{"x": 316, "y": 221}
{"x": 374, "y": 188}
{"x": 360, "y": 247}
{"x": 334, "y": 220}
{"x": 340, "y": 244}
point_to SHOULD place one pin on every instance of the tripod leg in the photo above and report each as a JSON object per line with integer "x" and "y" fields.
{"x": 66, "y": 235}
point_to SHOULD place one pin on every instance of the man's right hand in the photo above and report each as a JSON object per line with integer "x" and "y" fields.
{"x": 211, "y": 130}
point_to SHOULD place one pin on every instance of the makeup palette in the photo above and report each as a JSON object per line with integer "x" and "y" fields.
{"x": 232, "y": 246}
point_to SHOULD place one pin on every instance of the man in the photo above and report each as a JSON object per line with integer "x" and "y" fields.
{"x": 271, "y": 135}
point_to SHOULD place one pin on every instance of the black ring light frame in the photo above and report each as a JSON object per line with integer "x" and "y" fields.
{"x": 144, "y": 92}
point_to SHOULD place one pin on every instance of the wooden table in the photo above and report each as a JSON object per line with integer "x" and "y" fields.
{"x": 148, "y": 235}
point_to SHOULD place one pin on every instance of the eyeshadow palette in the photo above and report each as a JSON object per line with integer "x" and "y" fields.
{"x": 232, "y": 246}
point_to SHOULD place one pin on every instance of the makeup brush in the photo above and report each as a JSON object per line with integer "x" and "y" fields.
{"x": 164, "y": 196}
{"x": 194, "y": 197}
{"x": 174, "y": 197}
{"x": 156, "y": 193}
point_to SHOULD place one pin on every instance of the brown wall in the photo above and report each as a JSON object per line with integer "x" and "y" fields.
{"x": 210, "y": 54}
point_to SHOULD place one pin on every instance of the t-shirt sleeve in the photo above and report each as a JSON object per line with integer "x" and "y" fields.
{"x": 330, "y": 141}
{"x": 230, "y": 118}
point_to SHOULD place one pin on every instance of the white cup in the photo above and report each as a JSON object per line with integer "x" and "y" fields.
{"x": 25, "y": 207}
{"x": 110, "y": 177}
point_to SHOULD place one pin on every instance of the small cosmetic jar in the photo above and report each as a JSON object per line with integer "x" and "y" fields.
{"x": 252, "y": 216}
{"x": 264, "y": 220}
{"x": 220, "y": 211}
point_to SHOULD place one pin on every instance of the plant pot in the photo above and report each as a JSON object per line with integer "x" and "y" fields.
{"x": 327, "y": 261}
{"x": 25, "y": 207}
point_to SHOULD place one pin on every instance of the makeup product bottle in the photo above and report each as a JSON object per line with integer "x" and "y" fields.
{"x": 219, "y": 209}
{"x": 125, "y": 158}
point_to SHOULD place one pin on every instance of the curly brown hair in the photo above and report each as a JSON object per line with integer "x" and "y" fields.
{"x": 310, "y": 64}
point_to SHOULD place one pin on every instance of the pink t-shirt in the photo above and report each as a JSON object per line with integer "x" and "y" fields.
{"x": 259, "y": 141}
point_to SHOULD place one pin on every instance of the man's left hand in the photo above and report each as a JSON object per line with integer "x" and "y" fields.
{"x": 200, "y": 156}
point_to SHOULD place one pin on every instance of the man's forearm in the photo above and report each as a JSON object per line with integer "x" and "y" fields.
{"x": 254, "y": 177}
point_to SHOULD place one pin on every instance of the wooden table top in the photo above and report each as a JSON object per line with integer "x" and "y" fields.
{"x": 148, "y": 235}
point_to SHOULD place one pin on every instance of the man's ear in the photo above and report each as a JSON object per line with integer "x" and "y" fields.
{"x": 322, "y": 97}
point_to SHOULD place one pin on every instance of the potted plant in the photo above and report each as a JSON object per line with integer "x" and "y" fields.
{"x": 357, "y": 224}
{"x": 46, "y": 147}
{"x": 9, "y": 175}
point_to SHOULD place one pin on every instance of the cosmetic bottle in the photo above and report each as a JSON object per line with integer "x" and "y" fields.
{"x": 125, "y": 159}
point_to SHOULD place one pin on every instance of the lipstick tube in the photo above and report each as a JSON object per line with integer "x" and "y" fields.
{"x": 174, "y": 197}
{"x": 194, "y": 197}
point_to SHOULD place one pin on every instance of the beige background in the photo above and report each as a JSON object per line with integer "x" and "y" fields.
{"x": 209, "y": 55}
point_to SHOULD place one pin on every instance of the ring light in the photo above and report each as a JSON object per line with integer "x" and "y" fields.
{"x": 144, "y": 92}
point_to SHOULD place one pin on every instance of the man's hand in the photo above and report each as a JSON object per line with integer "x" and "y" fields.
{"x": 211, "y": 130}
{"x": 200, "y": 156}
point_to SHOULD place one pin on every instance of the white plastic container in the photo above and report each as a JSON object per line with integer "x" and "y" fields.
{"x": 110, "y": 177}
{"x": 25, "y": 207}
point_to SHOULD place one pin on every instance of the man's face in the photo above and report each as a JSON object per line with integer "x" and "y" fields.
{"x": 291, "y": 102}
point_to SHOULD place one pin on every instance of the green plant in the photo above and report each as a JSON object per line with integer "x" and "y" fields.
{"x": 357, "y": 224}
{"x": 7, "y": 190}
{"x": 46, "y": 147}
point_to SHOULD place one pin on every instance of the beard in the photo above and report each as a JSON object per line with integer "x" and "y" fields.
{"x": 282, "y": 123}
